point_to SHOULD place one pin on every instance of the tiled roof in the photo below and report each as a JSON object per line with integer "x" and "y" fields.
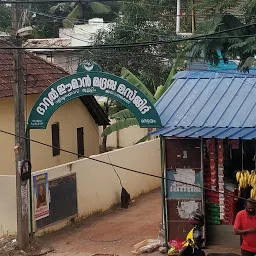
{"x": 49, "y": 42}
{"x": 38, "y": 75}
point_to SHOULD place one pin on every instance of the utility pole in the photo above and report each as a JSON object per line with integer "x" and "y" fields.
{"x": 20, "y": 141}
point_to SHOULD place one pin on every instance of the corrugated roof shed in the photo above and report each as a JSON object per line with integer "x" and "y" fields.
{"x": 39, "y": 74}
{"x": 207, "y": 132}
{"x": 209, "y": 99}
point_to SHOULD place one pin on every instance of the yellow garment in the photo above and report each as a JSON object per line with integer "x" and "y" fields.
{"x": 189, "y": 241}
{"x": 172, "y": 251}
{"x": 189, "y": 238}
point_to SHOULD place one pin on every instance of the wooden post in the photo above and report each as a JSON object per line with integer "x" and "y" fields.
{"x": 193, "y": 18}
{"x": 20, "y": 142}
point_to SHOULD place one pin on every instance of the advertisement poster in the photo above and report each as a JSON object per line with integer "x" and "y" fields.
{"x": 41, "y": 195}
{"x": 177, "y": 190}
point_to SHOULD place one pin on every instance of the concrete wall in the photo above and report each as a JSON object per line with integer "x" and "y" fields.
{"x": 70, "y": 116}
{"x": 98, "y": 187}
{"x": 66, "y": 60}
{"x": 125, "y": 137}
{"x": 8, "y": 213}
{"x": 82, "y": 35}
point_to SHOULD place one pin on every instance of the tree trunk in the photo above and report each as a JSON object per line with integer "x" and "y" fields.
{"x": 117, "y": 139}
{"x": 104, "y": 141}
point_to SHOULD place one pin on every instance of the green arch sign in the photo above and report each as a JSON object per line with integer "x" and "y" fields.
{"x": 93, "y": 83}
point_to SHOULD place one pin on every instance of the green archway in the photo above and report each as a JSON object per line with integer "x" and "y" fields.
{"x": 93, "y": 83}
{"x": 89, "y": 80}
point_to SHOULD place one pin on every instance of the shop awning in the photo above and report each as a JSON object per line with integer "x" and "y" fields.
{"x": 206, "y": 132}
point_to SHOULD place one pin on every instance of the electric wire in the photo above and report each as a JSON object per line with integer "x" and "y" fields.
{"x": 115, "y": 170}
{"x": 235, "y": 74}
{"x": 73, "y": 23}
{"x": 124, "y": 168}
{"x": 51, "y": 1}
{"x": 162, "y": 42}
{"x": 208, "y": 36}
{"x": 128, "y": 45}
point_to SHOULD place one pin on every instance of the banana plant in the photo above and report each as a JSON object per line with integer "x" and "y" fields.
{"x": 125, "y": 118}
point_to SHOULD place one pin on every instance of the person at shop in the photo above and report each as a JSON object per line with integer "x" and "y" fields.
{"x": 243, "y": 194}
{"x": 245, "y": 226}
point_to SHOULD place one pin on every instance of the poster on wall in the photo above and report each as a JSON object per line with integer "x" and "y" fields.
{"x": 183, "y": 190}
{"x": 41, "y": 195}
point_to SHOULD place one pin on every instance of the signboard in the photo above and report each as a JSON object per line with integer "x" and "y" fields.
{"x": 63, "y": 203}
{"x": 93, "y": 83}
{"x": 41, "y": 195}
{"x": 177, "y": 190}
{"x": 88, "y": 66}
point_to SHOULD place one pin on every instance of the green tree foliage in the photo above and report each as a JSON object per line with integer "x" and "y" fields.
{"x": 5, "y": 20}
{"x": 46, "y": 18}
{"x": 81, "y": 12}
{"x": 45, "y": 22}
{"x": 140, "y": 21}
{"x": 40, "y": 16}
{"x": 224, "y": 15}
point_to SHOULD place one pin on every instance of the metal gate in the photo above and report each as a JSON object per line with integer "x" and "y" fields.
{"x": 183, "y": 163}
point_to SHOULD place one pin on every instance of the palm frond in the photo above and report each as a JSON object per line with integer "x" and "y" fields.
{"x": 99, "y": 8}
{"x": 119, "y": 125}
{"x": 73, "y": 16}
{"x": 169, "y": 79}
{"x": 145, "y": 138}
{"x": 130, "y": 77}
{"x": 160, "y": 91}
{"x": 249, "y": 62}
{"x": 122, "y": 114}
{"x": 60, "y": 7}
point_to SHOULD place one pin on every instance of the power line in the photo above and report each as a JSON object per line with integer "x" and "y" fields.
{"x": 208, "y": 36}
{"x": 124, "y": 54}
{"x": 80, "y": 1}
{"x": 51, "y": 1}
{"x": 122, "y": 167}
{"x": 62, "y": 18}
{"x": 130, "y": 45}
{"x": 163, "y": 42}
{"x": 145, "y": 16}
{"x": 140, "y": 16}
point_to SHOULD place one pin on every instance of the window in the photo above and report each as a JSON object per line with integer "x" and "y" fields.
{"x": 50, "y": 58}
{"x": 56, "y": 139}
{"x": 80, "y": 141}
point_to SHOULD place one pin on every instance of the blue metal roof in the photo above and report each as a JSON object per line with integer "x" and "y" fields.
{"x": 206, "y": 132}
{"x": 214, "y": 74}
{"x": 209, "y": 99}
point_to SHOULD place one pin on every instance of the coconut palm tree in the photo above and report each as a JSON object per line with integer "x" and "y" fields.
{"x": 81, "y": 12}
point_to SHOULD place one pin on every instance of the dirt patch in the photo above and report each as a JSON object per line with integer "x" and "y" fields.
{"x": 111, "y": 233}
{"x": 9, "y": 247}
{"x": 114, "y": 233}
